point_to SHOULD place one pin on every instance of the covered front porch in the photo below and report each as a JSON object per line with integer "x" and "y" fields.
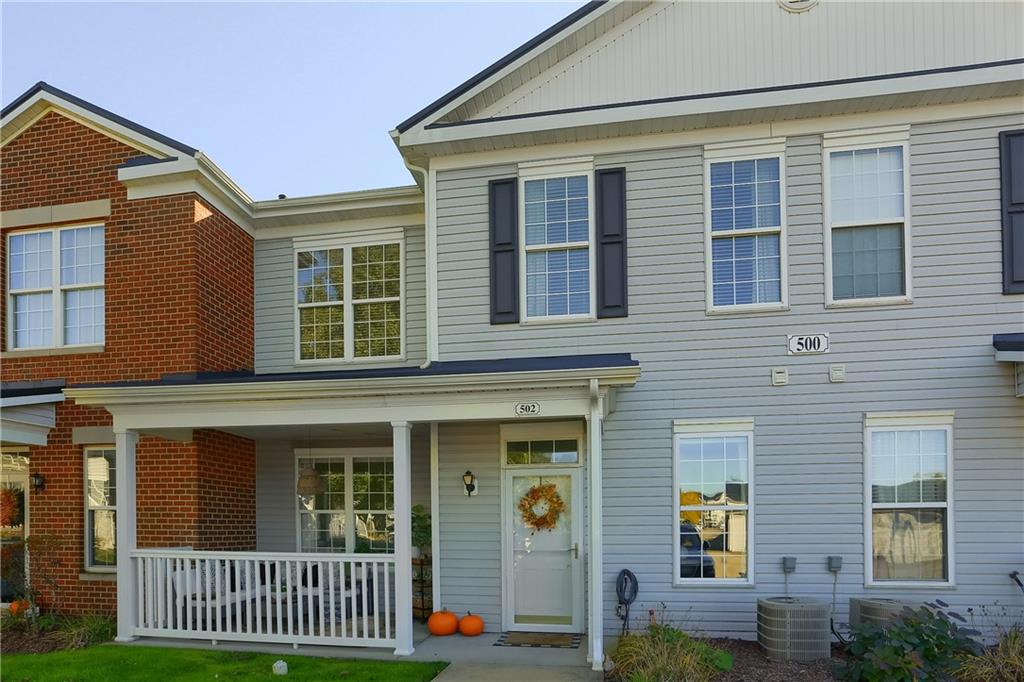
{"x": 341, "y": 459}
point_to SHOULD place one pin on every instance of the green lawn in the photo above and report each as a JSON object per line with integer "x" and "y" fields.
{"x": 116, "y": 663}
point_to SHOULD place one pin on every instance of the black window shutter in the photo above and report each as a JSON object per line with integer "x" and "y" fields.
{"x": 504, "y": 223}
{"x": 1011, "y": 154}
{"x": 610, "y": 202}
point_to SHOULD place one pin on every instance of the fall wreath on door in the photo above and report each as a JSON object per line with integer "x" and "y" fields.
{"x": 541, "y": 506}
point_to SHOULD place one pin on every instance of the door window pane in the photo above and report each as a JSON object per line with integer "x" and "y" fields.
{"x": 540, "y": 452}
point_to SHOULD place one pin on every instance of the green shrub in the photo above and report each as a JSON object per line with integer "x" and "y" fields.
{"x": 922, "y": 644}
{"x": 663, "y": 653}
{"x": 1002, "y": 663}
{"x": 77, "y": 632}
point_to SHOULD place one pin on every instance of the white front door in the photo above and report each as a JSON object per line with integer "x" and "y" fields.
{"x": 543, "y": 572}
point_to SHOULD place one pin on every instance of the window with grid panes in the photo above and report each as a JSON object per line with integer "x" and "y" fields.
{"x": 867, "y": 223}
{"x": 323, "y": 517}
{"x": 909, "y": 505}
{"x": 376, "y": 300}
{"x": 56, "y": 287}
{"x": 100, "y": 508}
{"x": 557, "y": 246}
{"x": 349, "y": 302}
{"x": 746, "y": 232}
{"x": 714, "y": 506}
{"x": 355, "y": 510}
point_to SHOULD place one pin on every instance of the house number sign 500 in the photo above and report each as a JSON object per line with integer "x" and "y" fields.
{"x": 527, "y": 409}
{"x": 808, "y": 344}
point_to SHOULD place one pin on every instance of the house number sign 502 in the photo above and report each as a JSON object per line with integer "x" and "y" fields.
{"x": 527, "y": 409}
{"x": 808, "y": 344}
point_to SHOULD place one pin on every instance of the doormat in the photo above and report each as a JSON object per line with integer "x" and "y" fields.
{"x": 543, "y": 640}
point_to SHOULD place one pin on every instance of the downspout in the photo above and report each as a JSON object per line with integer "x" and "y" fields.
{"x": 595, "y": 427}
{"x": 430, "y": 254}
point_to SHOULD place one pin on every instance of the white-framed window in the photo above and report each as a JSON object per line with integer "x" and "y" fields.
{"x": 867, "y": 225}
{"x": 100, "y": 508}
{"x": 352, "y": 507}
{"x": 542, "y": 444}
{"x": 908, "y": 498}
{"x": 556, "y": 242}
{"x": 350, "y": 301}
{"x": 55, "y": 287}
{"x": 745, "y": 229}
{"x": 713, "y": 471}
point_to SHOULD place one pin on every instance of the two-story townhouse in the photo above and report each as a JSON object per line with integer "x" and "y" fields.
{"x": 690, "y": 288}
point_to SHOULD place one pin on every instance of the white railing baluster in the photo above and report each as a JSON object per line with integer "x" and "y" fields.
{"x": 353, "y": 579}
{"x": 288, "y": 581}
{"x": 366, "y": 611}
{"x": 387, "y": 600}
{"x": 187, "y": 570}
{"x": 217, "y": 603}
{"x": 376, "y": 602}
{"x": 161, "y": 597}
{"x": 332, "y": 617}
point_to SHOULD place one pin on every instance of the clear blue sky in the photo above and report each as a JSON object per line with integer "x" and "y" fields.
{"x": 285, "y": 97}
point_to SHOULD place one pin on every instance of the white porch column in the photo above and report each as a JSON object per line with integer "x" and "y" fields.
{"x": 125, "y": 443}
{"x": 596, "y": 553}
{"x": 402, "y": 448}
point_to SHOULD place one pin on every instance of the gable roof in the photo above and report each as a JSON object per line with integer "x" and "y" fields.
{"x": 497, "y": 66}
{"x": 35, "y": 100}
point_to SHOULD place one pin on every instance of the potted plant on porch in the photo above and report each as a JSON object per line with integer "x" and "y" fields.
{"x": 421, "y": 537}
{"x": 421, "y": 577}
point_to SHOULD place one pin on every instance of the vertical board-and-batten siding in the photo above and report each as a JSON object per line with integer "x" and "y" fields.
{"x": 275, "y": 484}
{"x": 275, "y": 307}
{"x": 699, "y": 47}
{"x": 933, "y": 354}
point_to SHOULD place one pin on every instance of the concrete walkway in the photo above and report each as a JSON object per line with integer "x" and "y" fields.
{"x": 479, "y": 672}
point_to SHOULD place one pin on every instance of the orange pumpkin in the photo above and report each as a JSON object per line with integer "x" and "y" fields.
{"x": 442, "y": 623}
{"x": 19, "y": 606}
{"x": 471, "y": 625}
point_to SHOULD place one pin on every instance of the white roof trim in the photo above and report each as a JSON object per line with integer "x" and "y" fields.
{"x": 32, "y": 399}
{"x": 45, "y": 102}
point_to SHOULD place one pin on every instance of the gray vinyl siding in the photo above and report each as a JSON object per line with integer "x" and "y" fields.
{"x": 275, "y": 484}
{"x": 808, "y": 488}
{"x": 470, "y": 539}
{"x": 275, "y": 307}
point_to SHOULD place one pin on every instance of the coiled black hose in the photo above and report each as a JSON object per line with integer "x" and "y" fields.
{"x": 626, "y": 588}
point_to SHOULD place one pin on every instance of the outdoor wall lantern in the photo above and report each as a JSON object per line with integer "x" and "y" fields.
{"x": 37, "y": 482}
{"x": 469, "y": 481}
{"x": 310, "y": 483}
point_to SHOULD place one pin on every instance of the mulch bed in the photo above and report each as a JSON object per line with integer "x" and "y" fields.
{"x": 750, "y": 665}
{"x": 28, "y": 642}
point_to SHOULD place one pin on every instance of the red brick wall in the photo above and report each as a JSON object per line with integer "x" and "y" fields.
{"x": 178, "y": 299}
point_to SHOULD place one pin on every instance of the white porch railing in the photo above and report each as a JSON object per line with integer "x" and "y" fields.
{"x": 333, "y": 599}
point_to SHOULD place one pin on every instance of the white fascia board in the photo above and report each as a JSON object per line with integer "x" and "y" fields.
{"x": 712, "y": 105}
{"x": 32, "y": 400}
{"x": 19, "y": 433}
{"x": 372, "y": 388}
{"x": 1010, "y": 356}
{"x": 45, "y": 102}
